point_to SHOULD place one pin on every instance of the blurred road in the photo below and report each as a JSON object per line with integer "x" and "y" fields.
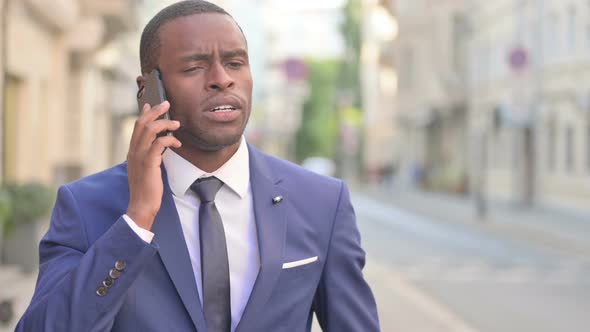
{"x": 433, "y": 275}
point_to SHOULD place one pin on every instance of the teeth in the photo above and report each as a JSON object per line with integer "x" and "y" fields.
{"x": 225, "y": 108}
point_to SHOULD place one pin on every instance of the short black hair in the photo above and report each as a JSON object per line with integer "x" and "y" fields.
{"x": 149, "y": 46}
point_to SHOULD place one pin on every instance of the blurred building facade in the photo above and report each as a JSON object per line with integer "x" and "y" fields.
{"x": 379, "y": 84}
{"x": 494, "y": 98}
{"x": 530, "y": 66}
{"x": 3, "y": 19}
{"x": 431, "y": 101}
{"x": 62, "y": 90}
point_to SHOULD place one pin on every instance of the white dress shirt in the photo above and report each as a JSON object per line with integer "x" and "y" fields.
{"x": 234, "y": 203}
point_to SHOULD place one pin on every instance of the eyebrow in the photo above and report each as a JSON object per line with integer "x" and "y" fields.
{"x": 207, "y": 56}
{"x": 234, "y": 53}
{"x": 196, "y": 57}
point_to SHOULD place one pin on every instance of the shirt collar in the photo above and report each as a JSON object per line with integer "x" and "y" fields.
{"x": 235, "y": 173}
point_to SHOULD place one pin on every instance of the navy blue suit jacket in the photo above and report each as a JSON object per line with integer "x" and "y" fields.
{"x": 157, "y": 292}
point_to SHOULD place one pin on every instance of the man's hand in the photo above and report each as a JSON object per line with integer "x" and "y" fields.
{"x": 143, "y": 163}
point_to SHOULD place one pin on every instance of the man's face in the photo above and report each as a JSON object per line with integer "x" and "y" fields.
{"x": 206, "y": 73}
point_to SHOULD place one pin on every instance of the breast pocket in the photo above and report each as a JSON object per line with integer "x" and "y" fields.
{"x": 295, "y": 270}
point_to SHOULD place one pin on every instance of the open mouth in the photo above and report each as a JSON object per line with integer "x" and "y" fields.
{"x": 223, "y": 109}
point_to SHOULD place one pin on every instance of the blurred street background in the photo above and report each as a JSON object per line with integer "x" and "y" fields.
{"x": 461, "y": 126}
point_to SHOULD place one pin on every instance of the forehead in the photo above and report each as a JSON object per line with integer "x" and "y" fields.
{"x": 200, "y": 31}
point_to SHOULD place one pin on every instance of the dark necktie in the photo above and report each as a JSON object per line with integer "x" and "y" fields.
{"x": 214, "y": 263}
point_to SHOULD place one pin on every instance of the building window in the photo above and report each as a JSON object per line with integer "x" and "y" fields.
{"x": 459, "y": 42}
{"x": 406, "y": 68}
{"x": 588, "y": 25}
{"x": 552, "y": 147}
{"x": 12, "y": 92}
{"x": 569, "y": 149}
{"x": 553, "y": 45}
{"x": 484, "y": 62}
{"x": 571, "y": 33}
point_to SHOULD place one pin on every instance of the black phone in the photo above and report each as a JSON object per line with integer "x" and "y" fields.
{"x": 153, "y": 93}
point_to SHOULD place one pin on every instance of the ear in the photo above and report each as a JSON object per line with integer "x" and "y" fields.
{"x": 140, "y": 80}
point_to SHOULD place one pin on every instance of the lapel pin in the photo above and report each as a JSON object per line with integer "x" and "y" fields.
{"x": 277, "y": 200}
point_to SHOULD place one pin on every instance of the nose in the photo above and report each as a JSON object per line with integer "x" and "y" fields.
{"x": 219, "y": 79}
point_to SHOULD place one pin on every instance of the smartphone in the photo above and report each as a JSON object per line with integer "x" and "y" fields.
{"x": 153, "y": 93}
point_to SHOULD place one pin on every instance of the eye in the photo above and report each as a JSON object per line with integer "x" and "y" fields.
{"x": 193, "y": 69}
{"x": 234, "y": 65}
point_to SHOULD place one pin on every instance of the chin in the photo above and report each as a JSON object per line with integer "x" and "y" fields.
{"x": 210, "y": 143}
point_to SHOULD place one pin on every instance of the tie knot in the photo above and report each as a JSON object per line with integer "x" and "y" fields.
{"x": 207, "y": 188}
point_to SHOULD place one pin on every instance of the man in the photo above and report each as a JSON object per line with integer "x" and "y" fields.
{"x": 199, "y": 231}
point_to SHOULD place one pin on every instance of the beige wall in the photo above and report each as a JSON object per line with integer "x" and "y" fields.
{"x": 2, "y": 51}
{"x": 431, "y": 97}
{"x": 560, "y": 184}
{"x": 58, "y": 123}
{"x": 379, "y": 89}
{"x": 34, "y": 92}
{"x": 557, "y": 82}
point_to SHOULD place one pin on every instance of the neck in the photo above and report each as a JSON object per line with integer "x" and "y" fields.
{"x": 208, "y": 161}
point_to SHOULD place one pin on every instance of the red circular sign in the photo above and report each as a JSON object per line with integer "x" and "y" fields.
{"x": 518, "y": 58}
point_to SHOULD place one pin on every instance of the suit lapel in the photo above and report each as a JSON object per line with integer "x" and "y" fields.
{"x": 271, "y": 231}
{"x": 174, "y": 254}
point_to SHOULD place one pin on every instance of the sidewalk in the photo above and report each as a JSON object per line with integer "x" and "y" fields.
{"x": 550, "y": 227}
{"x": 403, "y": 306}
{"x": 17, "y": 288}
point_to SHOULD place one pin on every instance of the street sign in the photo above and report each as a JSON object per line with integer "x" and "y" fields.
{"x": 518, "y": 58}
{"x": 295, "y": 69}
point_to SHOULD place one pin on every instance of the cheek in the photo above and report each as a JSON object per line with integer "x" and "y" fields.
{"x": 249, "y": 84}
{"x": 184, "y": 102}
{"x": 181, "y": 90}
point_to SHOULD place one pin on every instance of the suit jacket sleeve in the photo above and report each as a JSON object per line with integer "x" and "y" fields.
{"x": 71, "y": 269}
{"x": 344, "y": 302}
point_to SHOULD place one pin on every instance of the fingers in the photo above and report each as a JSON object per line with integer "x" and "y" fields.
{"x": 148, "y": 116}
{"x": 145, "y": 108}
{"x": 139, "y": 124}
{"x": 160, "y": 144}
{"x": 152, "y": 129}
{"x": 149, "y": 113}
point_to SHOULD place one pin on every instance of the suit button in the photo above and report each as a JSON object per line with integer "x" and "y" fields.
{"x": 120, "y": 265}
{"x": 101, "y": 291}
{"x": 114, "y": 274}
{"x": 108, "y": 282}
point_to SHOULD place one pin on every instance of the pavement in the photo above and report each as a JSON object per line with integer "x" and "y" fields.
{"x": 404, "y": 306}
{"x": 21, "y": 285}
{"x": 434, "y": 266}
{"x": 18, "y": 292}
{"x": 556, "y": 228}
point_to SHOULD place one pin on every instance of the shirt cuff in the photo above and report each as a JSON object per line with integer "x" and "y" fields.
{"x": 144, "y": 234}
